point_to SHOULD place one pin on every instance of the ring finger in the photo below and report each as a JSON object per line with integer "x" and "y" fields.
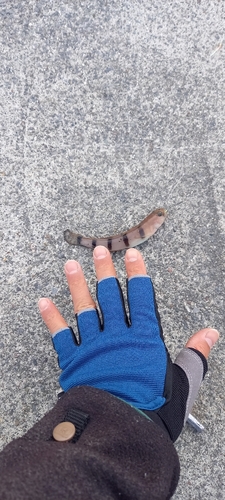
{"x": 81, "y": 296}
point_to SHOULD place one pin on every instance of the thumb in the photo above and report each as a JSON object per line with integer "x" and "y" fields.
{"x": 203, "y": 340}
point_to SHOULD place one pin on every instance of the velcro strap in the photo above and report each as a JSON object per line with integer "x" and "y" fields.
{"x": 79, "y": 419}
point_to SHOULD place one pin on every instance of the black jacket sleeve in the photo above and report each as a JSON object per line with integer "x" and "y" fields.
{"x": 119, "y": 454}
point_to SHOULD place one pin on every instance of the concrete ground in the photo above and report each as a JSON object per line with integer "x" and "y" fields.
{"x": 108, "y": 110}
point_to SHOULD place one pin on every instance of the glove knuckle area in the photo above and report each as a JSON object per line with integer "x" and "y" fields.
{"x": 121, "y": 366}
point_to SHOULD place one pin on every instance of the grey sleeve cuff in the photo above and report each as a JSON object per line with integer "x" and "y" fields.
{"x": 192, "y": 365}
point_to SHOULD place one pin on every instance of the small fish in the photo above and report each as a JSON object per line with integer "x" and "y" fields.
{"x": 131, "y": 238}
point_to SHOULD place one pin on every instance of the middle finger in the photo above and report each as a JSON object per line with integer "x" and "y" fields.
{"x": 103, "y": 263}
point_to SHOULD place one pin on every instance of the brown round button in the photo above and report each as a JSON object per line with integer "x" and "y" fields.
{"x": 64, "y": 431}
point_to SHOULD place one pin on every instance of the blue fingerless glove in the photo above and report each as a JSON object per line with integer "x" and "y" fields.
{"x": 126, "y": 357}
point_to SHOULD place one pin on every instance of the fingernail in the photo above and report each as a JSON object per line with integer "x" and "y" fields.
{"x": 100, "y": 252}
{"x": 72, "y": 266}
{"x": 132, "y": 255}
{"x": 211, "y": 337}
{"x": 43, "y": 304}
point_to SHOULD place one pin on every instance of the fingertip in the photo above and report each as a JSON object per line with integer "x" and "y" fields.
{"x": 211, "y": 337}
{"x": 134, "y": 263}
{"x": 72, "y": 267}
{"x": 132, "y": 254}
{"x": 43, "y": 304}
{"x": 100, "y": 252}
{"x": 50, "y": 315}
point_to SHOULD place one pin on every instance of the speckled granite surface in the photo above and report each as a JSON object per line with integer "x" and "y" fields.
{"x": 108, "y": 110}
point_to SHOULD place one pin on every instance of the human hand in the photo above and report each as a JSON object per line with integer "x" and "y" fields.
{"x": 125, "y": 357}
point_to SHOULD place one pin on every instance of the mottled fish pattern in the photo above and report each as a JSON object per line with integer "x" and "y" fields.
{"x": 131, "y": 238}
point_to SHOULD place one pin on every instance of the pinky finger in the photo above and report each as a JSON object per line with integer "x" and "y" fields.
{"x": 51, "y": 316}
